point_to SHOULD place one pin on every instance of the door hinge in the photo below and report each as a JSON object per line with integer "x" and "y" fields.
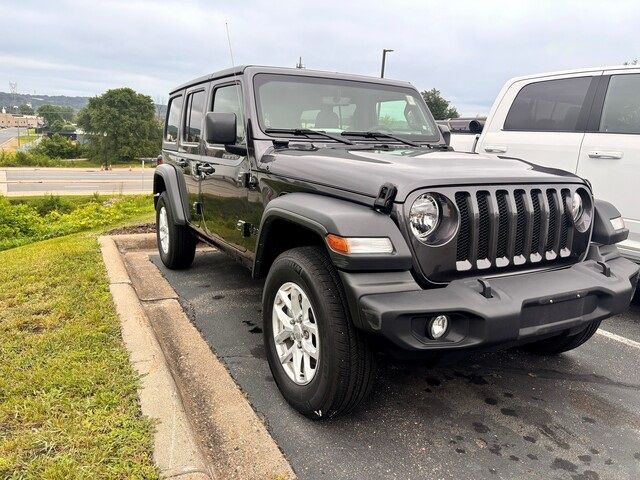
{"x": 247, "y": 180}
{"x": 246, "y": 228}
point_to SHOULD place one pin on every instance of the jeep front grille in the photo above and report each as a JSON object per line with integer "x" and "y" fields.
{"x": 512, "y": 226}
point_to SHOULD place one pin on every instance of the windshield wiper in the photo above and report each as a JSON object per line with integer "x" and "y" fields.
{"x": 307, "y": 132}
{"x": 382, "y": 135}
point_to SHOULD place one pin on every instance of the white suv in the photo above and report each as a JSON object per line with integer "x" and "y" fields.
{"x": 583, "y": 121}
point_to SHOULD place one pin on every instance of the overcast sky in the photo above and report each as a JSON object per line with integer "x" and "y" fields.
{"x": 466, "y": 49}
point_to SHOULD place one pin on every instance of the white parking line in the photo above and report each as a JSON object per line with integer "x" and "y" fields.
{"x": 619, "y": 338}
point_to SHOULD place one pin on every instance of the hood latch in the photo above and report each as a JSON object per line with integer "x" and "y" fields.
{"x": 384, "y": 201}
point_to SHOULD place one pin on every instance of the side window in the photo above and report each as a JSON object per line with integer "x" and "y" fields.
{"x": 193, "y": 120}
{"x": 621, "y": 110}
{"x": 228, "y": 99}
{"x": 173, "y": 119}
{"x": 551, "y": 106}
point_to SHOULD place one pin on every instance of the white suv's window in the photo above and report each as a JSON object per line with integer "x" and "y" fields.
{"x": 550, "y": 106}
{"x": 621, "y": 111}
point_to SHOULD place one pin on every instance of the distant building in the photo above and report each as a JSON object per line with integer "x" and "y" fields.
{"x": 22, "y": 121}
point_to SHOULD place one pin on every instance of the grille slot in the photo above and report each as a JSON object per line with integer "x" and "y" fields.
{"x": 511, "y": 227}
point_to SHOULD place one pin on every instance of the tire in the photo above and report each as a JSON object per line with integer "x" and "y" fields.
{"x": 342, "y": 375}
{"x": 180, "y": 247}
{"x": 562, "y": 343}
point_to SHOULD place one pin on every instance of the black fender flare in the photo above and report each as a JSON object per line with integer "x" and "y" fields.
{"x": 323, "y": 215}
{"x": 168, "y": 176}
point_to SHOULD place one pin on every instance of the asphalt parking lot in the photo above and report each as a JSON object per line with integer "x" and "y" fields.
{"x": 500, "y": 415}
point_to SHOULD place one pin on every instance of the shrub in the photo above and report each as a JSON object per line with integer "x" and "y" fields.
{"x": 58, "y": 146}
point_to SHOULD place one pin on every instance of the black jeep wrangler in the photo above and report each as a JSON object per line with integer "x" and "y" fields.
{"x": 342, "y": 192}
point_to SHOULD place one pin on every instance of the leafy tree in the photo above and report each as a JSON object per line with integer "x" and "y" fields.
{"x": 25, "y": 109}
{"x": 56, "y": 117}
{"x": 58, "y": 146}
{"x": 440, "y": 108}
{"x": 120, "y": 126}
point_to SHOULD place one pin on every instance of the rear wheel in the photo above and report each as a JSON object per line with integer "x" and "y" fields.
{"x": 176, "y": 243}
{"x": 321, "y": 363}
{"x": 562, "y": 343}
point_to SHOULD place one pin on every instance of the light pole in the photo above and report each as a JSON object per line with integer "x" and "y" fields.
{"x": 384, "y": 59}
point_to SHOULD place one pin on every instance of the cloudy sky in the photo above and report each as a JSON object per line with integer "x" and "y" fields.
{"x": 467, "y": 49}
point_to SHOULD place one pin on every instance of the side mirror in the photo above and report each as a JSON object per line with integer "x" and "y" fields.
{"x": 221, "y": 128}
{"x": 446, "y": 134}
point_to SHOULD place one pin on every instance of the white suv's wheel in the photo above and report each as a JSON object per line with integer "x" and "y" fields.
{"x": 321, "y": 363}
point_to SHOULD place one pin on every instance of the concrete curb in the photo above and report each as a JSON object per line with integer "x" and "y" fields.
{"x": 233, "y": 440}
{"x": 175, "y": 450}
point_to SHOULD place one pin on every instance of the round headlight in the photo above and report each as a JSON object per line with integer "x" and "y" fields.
{"x": 424, "y": 216}
{"x": 576, "y": 206}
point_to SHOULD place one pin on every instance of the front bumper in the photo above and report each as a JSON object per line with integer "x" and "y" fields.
{"x": 522, "y": 307}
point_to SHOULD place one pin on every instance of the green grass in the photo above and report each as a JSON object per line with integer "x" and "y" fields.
{"x": 35, "y": 159}
{"x": 29, "y": 219}
{"x": 68, "y": 395}
{"x": 28, "y": 136}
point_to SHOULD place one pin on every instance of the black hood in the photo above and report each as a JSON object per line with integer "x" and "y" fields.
{"x": 364, "y": 171}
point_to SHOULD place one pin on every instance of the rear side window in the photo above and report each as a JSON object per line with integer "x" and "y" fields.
{"x": 193, "y": 120}
{"x": 621, "y": 110}
{"x": 551, "y": 106}
{"x": 173, "y": 119}
{"x": 228, "y": 99}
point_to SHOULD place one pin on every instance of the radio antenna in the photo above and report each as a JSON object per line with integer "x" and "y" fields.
{"x": 235, "y": 74}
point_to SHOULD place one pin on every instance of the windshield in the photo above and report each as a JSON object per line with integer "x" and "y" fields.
{"x": 291, "y": 102}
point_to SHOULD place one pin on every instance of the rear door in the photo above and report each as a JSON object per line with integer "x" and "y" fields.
{"x": 610, "y": 153}
{"x": 191, "y": 148}
{"x": 542, "y": 121}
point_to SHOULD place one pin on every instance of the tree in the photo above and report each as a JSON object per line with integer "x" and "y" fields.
{"x": 631, "y": 62}
{"x": 56, "y": 117}
{"x": 440, "y": 108}
{"x": 25, "y": 109}
{"x": 120, "y": 126}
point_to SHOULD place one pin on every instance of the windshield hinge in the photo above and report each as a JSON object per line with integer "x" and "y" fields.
{"x": 384, "y": 201}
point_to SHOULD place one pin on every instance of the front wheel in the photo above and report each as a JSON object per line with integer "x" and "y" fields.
{"x": 176, "y": 243}
{"x": 562, "y": 343}
{"x": 322, "y": 365}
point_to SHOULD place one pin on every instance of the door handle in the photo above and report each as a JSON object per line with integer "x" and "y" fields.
{"x": 607, "y": 155}
{"x": 495, "y": 149}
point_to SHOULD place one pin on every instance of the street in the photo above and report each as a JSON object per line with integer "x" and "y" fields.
{"x": 39, "y": 181}
{"x": 497, "y": 415}
{"x": 7, "y": 134}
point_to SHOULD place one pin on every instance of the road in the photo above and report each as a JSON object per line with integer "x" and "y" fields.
{"x": 7, "y": 134}
{"x": 39, "y": 181}
{"x": 502, "y": 415}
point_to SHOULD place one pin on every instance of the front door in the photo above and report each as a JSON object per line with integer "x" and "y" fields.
{"x": 224, "y": 191}
{"x": 610, "y": 153}
{"x": 545, "y": 123}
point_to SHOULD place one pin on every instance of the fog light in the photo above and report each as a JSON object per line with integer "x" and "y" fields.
{"x": 438, "y": 326}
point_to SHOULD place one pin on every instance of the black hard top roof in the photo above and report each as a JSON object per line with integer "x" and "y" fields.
{"x": 242, "y": 69}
